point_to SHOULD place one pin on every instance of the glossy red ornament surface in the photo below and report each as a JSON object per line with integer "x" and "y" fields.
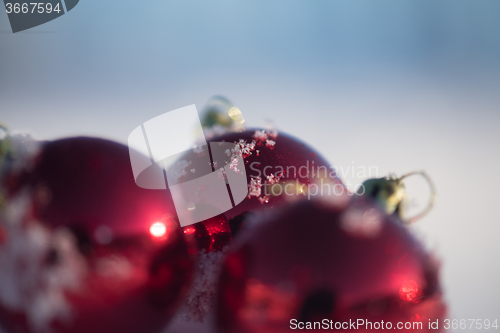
{"x": 279, "y": 169}
{"x": 276, "y": 159}
{"x": 312, "y": 262}
{"x": 90, "y": 251}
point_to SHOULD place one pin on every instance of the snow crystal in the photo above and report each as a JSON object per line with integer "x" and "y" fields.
{"x": 264, "y": 136}
{"x": 234, "y": 164}
{"x": 255, "y": 187}
{"x": 270, "y": 144}
{"x": 272, "y": 133}
{"x": 260, "y": 136}
{"x": 178, "y": 170}
{"x": 243, "y": 148}
{"x": 272, "y": 179}
{"x": 264, "y": 199}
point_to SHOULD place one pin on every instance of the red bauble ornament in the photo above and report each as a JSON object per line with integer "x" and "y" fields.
{"x": 312, "y": 262}
{"x": 273, "y": 160}
{"x": 279, "y": 169}
{"x": 87, "y": 250}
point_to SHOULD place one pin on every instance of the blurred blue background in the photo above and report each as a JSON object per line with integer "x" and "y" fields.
{"x": 401, "y": 85}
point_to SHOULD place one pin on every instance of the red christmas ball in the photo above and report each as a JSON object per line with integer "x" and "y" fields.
{"x": 274, "y": 160}
{"x": 311, "y": 266}
{"x": 86, "y": 249}
{"x": 279, "y": 169}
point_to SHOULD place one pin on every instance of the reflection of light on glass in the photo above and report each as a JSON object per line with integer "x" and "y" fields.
{"x": 189, "y": 230}
{"x": 237, "y": 117}
{"x": 158, "y": 229}
{"x": 408, "y": 291}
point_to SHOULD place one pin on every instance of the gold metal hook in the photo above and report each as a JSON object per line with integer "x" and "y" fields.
{"x": 432, "y": 198}
{"x": 390, "y": 195}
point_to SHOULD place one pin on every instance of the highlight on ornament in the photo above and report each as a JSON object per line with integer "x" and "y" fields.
{"x": 158, "y": 229}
